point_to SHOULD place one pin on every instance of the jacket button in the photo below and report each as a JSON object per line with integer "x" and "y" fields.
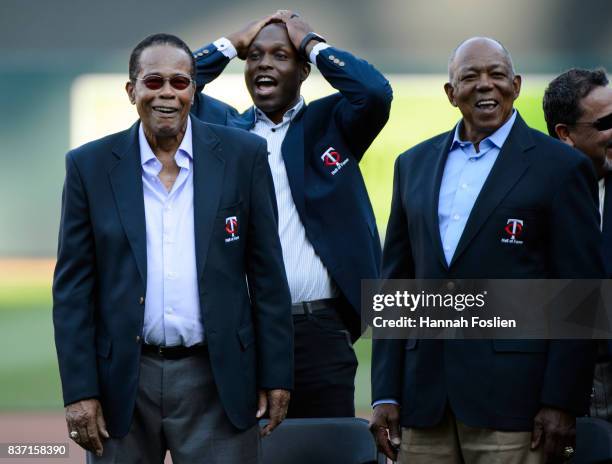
{"x": 137, "y": 338}
{"x": 141, "y": 300}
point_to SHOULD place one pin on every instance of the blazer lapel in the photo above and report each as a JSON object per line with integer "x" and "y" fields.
{"x": 208, "y": 171}
{"x": 293, "y": 156}
{"x": 244, "y": 121}
{"x": 433, "y": 193}
{"x": 126, "y": 181}
{"x": 509, "y": 167}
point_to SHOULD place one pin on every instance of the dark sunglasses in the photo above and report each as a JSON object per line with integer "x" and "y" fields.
{"x": 602, "y": 124}
{"x": 155, "y": 82}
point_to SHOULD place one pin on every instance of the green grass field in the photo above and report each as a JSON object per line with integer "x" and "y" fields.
{"x": 29, "y": 378}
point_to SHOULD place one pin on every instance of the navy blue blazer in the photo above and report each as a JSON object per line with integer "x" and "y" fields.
{"x": 496, "y": 384}
{"x": 100, "y": 276}
{"x": 329, "y": 193}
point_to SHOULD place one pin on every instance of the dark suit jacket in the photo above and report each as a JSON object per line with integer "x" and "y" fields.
{"x": 333, "y": 206}
{"x": 100, "y": 275}
{"x": 496, "y": 384}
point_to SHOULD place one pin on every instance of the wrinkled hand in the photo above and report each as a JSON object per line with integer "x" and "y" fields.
{"x": 554, "y": 430}
{"x": 277, "y": 401}
{"x": 297, "y": 28}
{"x": 241, "y": 40}
{"x": 385, "y": 428}
{"x": 85, "y": 417}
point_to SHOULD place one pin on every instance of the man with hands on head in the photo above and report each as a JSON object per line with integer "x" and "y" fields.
{"x": 327, "y": 227}
{"x": 481, "y": 401}
{"x": 170, "y": 301}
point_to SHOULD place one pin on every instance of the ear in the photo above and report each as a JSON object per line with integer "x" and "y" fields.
{"x": 304, "y": 71}
{"x": 563, "y": 132}
{"x": 516, "y": 84}
{"x": 450, "y": 93}
{"x": 129, "y": 88}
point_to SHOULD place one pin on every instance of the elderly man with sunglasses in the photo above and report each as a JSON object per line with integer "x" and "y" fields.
{"x": 578, "y": 111}
{"x": 169, "y": 276}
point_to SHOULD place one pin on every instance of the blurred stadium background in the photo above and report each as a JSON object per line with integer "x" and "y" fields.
{"x": 63, "y": 65}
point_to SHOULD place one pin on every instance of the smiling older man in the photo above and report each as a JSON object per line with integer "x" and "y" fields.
{"x": 169, "y": 277}
{"x": 482, "y": 401}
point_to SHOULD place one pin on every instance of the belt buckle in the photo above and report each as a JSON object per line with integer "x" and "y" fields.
{"x": 160, "y": 351}
{"x": 307, "y": 308}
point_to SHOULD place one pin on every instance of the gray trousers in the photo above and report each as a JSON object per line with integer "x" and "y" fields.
{"x": 178, "y": 410}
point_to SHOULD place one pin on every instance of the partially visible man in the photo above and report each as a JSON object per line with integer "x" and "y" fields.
{"x": 578, "y": 111}
{"x": 326, "y": 223}
{"x": 481, "y": 401}
{"x": 171, "y": 306}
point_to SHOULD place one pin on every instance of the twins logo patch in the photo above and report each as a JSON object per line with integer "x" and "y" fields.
{"x": 513, "y": 231}
{"x": 332, "y": 159}
{"x": 231, "y": 228}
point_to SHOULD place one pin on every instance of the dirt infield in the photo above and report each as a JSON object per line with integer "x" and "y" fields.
{"x": 40, "y": 428}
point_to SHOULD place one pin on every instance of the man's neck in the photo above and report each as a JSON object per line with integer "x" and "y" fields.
{"x": 164, "y": 146}
{"x": 277, "y": 116}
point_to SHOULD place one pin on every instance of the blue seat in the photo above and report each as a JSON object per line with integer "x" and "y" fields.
{"x": 345, "y": 440}
{"x": 593, "y": 441}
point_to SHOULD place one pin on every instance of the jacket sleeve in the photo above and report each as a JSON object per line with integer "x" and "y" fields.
{"x": 210, "y": 63}
{"x": 268, "y": 286}
{"x": 73, "y": 292}
{"x": 367, "y": 94}
{"x": 388, "y": 354}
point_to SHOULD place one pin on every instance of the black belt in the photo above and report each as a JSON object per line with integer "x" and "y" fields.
{"x": 309, "y": 307}
{"x": 173, "y": 352}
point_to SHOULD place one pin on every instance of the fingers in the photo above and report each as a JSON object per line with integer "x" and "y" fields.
{"x": 383, "y": 444}
{"x": 386, "y": 430}
{"x": 101, "y": 423}
{"x": 94, "y": 439}
{"x": 83, "y": 418}
{"x": 394, "y": 431}
{"x": 278, "y": 401}
{"x": 536, "y": 435}
{"x": 262, "y": 404}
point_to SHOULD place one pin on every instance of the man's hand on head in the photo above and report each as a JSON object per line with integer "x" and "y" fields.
{"x": 297, "y": 29}
{"x": 241, "y": 40}
{"x": 385, "y": 428}
{"x": 85, "y": 418}
{"x": 277, "y": 402}
{"x": 555, "y": 430}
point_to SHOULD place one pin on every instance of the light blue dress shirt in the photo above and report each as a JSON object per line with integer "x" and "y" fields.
{"x": 465, "y": 173}
{"x": 172, "y": 306}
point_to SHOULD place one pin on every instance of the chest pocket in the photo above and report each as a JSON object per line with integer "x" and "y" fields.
{"x": 519, "y": 227}
{"x": 228, "y": 222}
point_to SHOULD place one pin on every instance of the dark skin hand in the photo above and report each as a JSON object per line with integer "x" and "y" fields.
{"x": 385, "y": 427}
{"x": 85, "y": 417}
{"x": 241, "y": 40}
{"x": 297, "y": 29}
{"x": 554, "y": 430}
{"x": 277, "y": 401}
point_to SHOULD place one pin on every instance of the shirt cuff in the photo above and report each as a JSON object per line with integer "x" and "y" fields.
{"x": 385, "y": 401}
{"x": 315, "y": 51}
{"x": 225, "y": 46}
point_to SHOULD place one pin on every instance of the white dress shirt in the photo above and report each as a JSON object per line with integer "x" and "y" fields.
{"x": 172, "y": 306}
